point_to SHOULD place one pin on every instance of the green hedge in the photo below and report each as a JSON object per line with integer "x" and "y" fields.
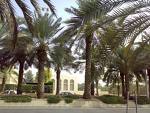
{"x": 53, "y": 99}
{"x": 68, "y": 100}
{"x": 19, "y": 98}
{"x": 110, "y": 99}
{"x": 10, "y": 87}
{"x": 27, "y": 88}
{"x": 71, "y": 96}
{"x": 49, "y": 83}
{"x": 31, "y": 88}
{"x": 143, "y": 100}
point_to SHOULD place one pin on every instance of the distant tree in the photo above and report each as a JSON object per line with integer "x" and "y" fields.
{"x": 47, "y": 74}
{"x": 29, "y": 76}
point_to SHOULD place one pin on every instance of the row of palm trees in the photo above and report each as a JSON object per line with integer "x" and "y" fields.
{"x": 105, "y": 30}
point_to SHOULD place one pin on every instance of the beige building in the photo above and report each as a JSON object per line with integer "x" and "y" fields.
{"x": 68, "y": 83}
{"x": 11, "y": 79}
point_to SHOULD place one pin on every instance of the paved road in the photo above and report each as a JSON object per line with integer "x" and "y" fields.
{"x": 74, "y": 110}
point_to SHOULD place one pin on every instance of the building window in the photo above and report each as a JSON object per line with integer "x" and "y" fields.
{"x": 65, "y": 84}
{"x": 71, "y": 85}
{"x": 53, "y": 84}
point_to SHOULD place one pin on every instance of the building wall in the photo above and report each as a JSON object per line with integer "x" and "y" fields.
{"x": 68, "y": 83}
{"x": 12, "y": 79}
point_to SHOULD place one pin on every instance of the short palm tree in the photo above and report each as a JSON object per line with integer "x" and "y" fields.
{"x": 129, "y": 63}
{"x": 6, "y": 73}
{"x": 19, "y": 55}
{"x": 60, "y": 57}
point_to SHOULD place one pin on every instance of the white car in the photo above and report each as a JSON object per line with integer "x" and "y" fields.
{"x": 10, "y": 92}
{"x": 66, "y": 94}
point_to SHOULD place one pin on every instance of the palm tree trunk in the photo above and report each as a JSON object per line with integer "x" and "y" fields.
{"x": 148, "y": 71}
{"x": 97, "y": 93}
{"x": 20, "y": 77}
{"x": 58, "y": 80}
{"x": 42, "y": 56}
{"x": 87, "y": 86}
{"x": 123, "y": 85}
{"x": 118, "y": 88}
{"x": 137, "y": 87}
{"x": 126, "y": 86}
{"x": 146, "y": 85}
{"x": 92, "y": 88}
{"x": 40, "y": 85}
{"x": 3, "y": 84}
{"x": 92, "y": 77}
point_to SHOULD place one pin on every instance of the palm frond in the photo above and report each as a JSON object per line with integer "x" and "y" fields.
{"x": 36, "y": 6}
{"x": 51, "y": 6}
{"x": 27, "y": 14}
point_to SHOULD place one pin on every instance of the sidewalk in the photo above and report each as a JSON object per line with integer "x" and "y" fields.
{"x": 42, "y": 103}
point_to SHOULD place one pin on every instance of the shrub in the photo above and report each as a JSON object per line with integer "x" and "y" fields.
{"x": 68, "y": 100}
{"x": 72, "y": 96}
{"x": 17, "y": 98}
{"x": 27, "y": 88}
{"x": 48, "y": 89}
{"x": 110, "y": 99}
{"x": 32, "y": 87}
{"x": 53, "y": 99}
{"x": 143, "y": 100}
{"x": 10, "y": 87}
{"x": 49, "y": 83}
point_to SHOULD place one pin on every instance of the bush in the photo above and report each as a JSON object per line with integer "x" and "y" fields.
{"x": 16, "y": 98}
{"x": 68, "y": 100}
{"x": 72, "y": 96}
{"x": 32, "y": 87}
{"x": 143, "y": 100}
{"x": 49, "y": 83}
{"x": 48, "y": 88}
{"x": 53, "y": 99}
{"x": 10, "y": 87}
{"x": 110, "y": 99}
{"x": 27, "y": 88}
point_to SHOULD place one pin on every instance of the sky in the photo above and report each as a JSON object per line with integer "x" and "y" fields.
{"x": 60, "y": 6}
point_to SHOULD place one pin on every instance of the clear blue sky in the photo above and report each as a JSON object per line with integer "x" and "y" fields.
{"x": 60, "y": 5}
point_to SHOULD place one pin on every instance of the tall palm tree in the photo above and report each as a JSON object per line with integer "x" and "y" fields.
{"x": 45, "y": 29}
{"x": 82, "y": 25}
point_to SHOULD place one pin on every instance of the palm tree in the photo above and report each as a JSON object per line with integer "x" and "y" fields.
{"x": 121, "y": 55}
{"x": 7, "y": 13}
{"x": 45, "y": 29}
{"x": 60, "y": 57}
{"x": 6, "y": 73}
{"x": 19, "y": 55}
{"x": 124, "y": 60}
{"x": 81, "y": 27}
